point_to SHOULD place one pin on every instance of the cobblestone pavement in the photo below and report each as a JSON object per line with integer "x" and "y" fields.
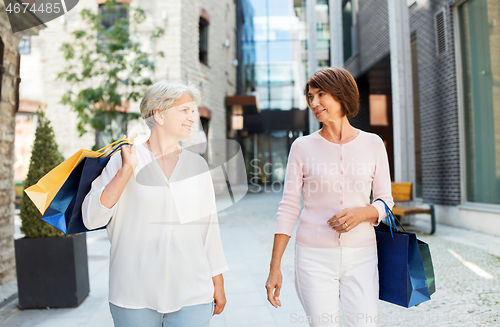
{"x": 467, "y": 279}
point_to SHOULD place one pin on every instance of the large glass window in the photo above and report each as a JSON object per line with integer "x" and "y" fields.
{"x": 275, "y": 53}
{"x": 480, "y": 50}
{"x": 322, "y": 34}
{"x": 247, "y": 55}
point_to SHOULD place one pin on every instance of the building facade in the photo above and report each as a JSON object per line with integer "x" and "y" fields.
{"x": 199, "y": 46}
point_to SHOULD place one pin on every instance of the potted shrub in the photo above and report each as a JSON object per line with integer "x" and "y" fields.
{"x": 52, "y": 268}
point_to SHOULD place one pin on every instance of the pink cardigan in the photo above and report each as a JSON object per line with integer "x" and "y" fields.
{"x": 332, "y": 177}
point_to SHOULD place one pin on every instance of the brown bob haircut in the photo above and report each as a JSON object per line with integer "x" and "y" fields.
{"x": 340, "y": 84}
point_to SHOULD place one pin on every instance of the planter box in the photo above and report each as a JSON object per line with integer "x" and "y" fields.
{"x": 52, "y": 272}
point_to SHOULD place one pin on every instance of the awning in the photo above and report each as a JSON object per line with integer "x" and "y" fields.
{"x": 242, "y": 104}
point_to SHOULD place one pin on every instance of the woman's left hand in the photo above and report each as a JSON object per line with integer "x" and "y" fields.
{"x": 219, "y": 294}
{"x": 347, "y": 219}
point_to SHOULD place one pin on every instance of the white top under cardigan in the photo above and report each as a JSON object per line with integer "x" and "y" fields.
{"x": 164, "y": 233}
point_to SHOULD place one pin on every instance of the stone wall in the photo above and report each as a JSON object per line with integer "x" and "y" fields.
{"x": 7, "y": 133}
{"x": 217, "y": 79}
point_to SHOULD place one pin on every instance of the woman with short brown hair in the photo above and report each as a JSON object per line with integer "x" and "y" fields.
{"x": 335, "y": 170}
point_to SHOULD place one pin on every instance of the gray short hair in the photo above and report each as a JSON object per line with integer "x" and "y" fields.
{"x": 162, "y": 94}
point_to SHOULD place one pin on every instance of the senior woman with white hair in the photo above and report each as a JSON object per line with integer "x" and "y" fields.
{"x": 157, "y": 200}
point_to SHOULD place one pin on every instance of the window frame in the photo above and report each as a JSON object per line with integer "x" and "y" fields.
{"x": 26, "y": 40}
{"x": 353, "y": 32}
{"x": 457, "y": 40}
{"x": 122, "y": 5}
{"x": 203, "y": 52}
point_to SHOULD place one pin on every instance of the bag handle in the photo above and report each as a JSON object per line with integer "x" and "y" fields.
{"x": 391, "y": 218}
{"x": 111, "y": 145}
{"x": 105, "y": 153}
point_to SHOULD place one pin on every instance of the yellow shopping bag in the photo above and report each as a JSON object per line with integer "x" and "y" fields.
{"x": 43, "y": 192}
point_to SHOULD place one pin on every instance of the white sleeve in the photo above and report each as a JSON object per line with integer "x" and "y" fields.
{"x": 210, "y": 229}
{"x": 94, "y": 214}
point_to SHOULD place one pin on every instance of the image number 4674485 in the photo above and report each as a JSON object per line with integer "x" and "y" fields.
{"x": 26, "y": 14}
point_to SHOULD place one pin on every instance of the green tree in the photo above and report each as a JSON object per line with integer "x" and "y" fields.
{"x": 105, "y": 66}
{"x": 44, "y": 157}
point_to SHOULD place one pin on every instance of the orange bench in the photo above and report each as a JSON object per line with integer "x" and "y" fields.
{"x": 401, "y": 192}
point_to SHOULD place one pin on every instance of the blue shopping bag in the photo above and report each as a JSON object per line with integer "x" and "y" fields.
{"x": 402, "y": 277}
{"x": 65, "y": 212}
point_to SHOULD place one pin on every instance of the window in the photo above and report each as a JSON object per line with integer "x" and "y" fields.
{"x": 480, "y": 71}
{"x": 25, "y": 45}
{"x": 349, "y": 28}
{"x": 203, "y": 28}
{"x": 115, "y": 127}
{"x": 110, "y": 14}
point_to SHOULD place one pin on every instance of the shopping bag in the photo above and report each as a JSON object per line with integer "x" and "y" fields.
{"x": 65, "y": 212}
{"x": 402, "y": 278}
{"x": 44, "y": 191}
{"x": 428, "y": 267}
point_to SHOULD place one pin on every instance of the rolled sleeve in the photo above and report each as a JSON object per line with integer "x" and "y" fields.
{"x": 94, "y": 213}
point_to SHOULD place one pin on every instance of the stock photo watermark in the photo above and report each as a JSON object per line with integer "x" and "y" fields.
{"x": 35, "y": 12}
{"x": 349, "y": 177}
{"x": 420, "y": 319}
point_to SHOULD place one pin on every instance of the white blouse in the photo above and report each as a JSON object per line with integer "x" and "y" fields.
{"x": 164, "y": 233}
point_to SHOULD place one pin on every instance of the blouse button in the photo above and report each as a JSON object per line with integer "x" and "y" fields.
{"x": 342, "y": 172}
{"x": 341, "y": 158}
{"x": 341, "y": 202}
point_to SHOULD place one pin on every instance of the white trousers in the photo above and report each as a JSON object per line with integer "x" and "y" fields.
{"x": 327, "y": 279}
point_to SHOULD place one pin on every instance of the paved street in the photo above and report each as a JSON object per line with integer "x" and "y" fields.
{"x": 467, "y": 279}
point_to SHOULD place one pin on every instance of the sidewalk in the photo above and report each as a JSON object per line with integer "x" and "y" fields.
{"x": 467, "y": 279}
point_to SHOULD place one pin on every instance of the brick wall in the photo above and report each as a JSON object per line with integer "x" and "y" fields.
{"x": 438, "y": 105}
{"x": 7, "y": 133}
{"x": 7, "y": 126}
{"x": 437, "y": 89}
{"x": 373, "y": 36}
